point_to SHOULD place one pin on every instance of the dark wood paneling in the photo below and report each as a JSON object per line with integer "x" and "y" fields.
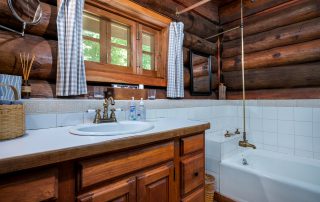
{"x": 47, "y": 26}
{"x": 282, "y": 15}
{"x": 193, "y": 23}
{"x": 286, "y": 55}
{"x": 303, "y": 75}
{"x": 198, "y": 44}
{"x": 231, "y": 11}
{"x": 295, "y": 33}
{"x": 208, "y": 10}
{"x": 277, "y": 94}
{"x": 45, "y": 63}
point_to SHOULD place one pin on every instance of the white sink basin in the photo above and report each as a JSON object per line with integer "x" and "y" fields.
{"x": 110, "y": 129}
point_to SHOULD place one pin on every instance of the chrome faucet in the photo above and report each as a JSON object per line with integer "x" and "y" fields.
{"x": 105, "y": 117}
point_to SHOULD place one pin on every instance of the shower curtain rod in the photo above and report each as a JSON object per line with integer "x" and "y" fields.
{"x": 192, "y": 7}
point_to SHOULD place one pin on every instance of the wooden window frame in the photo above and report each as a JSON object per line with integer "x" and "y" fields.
{"x": 139, "y": 20}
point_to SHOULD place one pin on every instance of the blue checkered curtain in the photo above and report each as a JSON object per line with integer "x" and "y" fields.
{"x": 175, "y": 87}
{"x": 71, "y": 78}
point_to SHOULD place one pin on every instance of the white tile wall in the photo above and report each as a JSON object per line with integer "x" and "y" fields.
{"x": 286, "y": 126}
{"x": 38, "y": 121}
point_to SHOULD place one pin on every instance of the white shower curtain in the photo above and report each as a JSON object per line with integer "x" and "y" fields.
{"x": 71, "y": 78}
{"x": 175, "y": 86}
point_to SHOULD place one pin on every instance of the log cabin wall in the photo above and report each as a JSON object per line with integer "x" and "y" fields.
{"x": 282, "y": 49}
{"x": 41, "y": 39}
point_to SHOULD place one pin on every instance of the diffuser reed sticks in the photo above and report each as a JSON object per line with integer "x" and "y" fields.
{"x": 26, "y": 66}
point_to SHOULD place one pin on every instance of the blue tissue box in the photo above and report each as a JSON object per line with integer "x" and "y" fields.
{"x": 5, "y": 92}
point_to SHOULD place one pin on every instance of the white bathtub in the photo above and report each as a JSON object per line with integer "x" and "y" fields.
{"x": 270, "y": 177}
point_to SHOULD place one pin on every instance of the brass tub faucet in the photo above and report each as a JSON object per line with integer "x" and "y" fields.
{"x": 245, "y": 143}
{"x": 105, "y": 117}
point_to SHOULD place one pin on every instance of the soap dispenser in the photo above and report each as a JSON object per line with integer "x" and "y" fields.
{"x": 141, "y": 113}
{"x": 132, "y": 110}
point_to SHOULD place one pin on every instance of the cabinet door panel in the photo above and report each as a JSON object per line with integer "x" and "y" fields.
{"x": 156, "y": 185}
{"x": 192, "y": 171}
{"x": 122, "y": 191}
{"x": 197, "y": 196}
{"x": 32, "y": 186}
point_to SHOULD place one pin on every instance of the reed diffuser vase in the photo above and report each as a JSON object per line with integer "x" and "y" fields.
{"x": 25, "y": 89}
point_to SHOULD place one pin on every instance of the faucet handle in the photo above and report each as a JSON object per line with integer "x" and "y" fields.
{"x": 237, "y": 131}
{"x": 97, "y": 118}
{"x": 113, "y": 115}
{"x": 227, "y": 134}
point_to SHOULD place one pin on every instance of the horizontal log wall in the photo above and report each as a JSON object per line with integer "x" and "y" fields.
{"x": 281, "y": 45}
{"x": 41, "y": 40}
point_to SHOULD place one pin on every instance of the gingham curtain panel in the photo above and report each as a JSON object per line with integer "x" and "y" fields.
{"x": 175, "y": 87}
{"x": 71, "y": 78}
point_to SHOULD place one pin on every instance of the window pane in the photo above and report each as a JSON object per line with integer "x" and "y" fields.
{"x": 91, "y": 26}
{"x": 119, "y": 34}
{"x": 146, "y": 62}
{"x": 147, "y": 42}
{"x": 91, "y": 51}
{"x": 119, "y": 56}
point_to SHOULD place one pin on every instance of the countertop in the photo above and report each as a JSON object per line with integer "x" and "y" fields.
{"x": 47, "y": 146}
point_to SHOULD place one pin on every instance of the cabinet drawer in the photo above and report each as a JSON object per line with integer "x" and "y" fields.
{"x": 197, "y": 196}
{"x": 192, "y": 171}
{"x": 103, "y": 168}
{"x": 124, "y": 190}
{"x": 32, "y": 186}
{"x": 192, "y": 144}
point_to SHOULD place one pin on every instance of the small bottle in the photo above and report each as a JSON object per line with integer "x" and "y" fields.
{"x": 141, "y": 113}
{"x": 132, "y": 110}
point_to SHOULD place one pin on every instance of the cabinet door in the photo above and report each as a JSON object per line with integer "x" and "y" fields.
{"x": 157, "y": 185}
{"x": 122, "y": 191}
{"x": 197, "y": 196}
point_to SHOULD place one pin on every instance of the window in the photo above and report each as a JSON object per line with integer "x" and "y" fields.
{"x": 91, "y": 37}
{"x": 147, "y": 51}
{"x": 120, "y": 48}
{"x": 116, "y": 42}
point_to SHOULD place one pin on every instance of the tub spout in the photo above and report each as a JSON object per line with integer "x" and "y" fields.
{"x": 245, "y": 143}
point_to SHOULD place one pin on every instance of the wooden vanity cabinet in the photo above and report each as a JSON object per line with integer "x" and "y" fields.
{"x": 169, "y": 170}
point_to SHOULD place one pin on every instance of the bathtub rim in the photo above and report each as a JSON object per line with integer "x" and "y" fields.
{"x": 231, "y": 162}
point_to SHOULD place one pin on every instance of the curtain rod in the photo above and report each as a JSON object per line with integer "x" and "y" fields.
{"x": 192, "y": 7}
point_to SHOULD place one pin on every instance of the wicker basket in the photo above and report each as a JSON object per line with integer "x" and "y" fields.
{"x": 209, "y": 188}
{"x": 12, "y": 118}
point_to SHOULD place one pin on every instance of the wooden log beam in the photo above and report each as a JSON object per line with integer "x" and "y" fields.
{"x": 45, "y": 64}
{"x": 198, "y": 44}
{"x": 193, "y": 23}
{"x": 277, "y": 94}
{"x": 208, "y": 11}
{"x": 281, "y": 15}
{"x": 282, "y": 36}
{"x": 286, "y": 55}
{"x": 231, "y": 12}
{"x": 47, "y": 26}
{"x": 302, "y": 75}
